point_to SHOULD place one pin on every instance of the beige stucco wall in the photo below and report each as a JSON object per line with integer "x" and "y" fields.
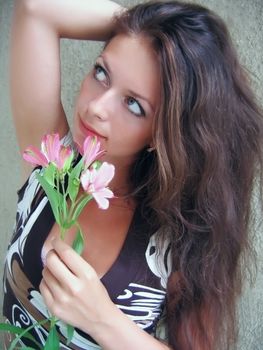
{"x": 245, "y": 20}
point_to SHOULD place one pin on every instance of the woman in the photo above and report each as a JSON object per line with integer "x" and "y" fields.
{"x": 172, "y": 108}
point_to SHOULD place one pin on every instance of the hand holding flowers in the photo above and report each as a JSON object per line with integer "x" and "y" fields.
{"x": 72, "y": 289}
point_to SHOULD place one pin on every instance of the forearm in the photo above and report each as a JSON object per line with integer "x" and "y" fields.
{"x": 35, "y": 59}
{"x": 118, "y": 332}
{"x": 76, "y": 19}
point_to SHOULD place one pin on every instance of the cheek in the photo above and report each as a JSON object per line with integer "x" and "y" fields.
{"x": 88, "y": 89}
{"x": 128, "y": 136}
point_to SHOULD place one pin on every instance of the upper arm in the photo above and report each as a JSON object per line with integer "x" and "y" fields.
{"x": 34, "y": 79}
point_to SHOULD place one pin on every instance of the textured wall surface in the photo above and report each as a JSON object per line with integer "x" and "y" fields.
{"x": 244, "y": 18}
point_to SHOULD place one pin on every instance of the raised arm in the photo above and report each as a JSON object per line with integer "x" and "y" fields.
{"x": 35, "y": 60}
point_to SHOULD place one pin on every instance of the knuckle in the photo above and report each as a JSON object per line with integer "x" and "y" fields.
{"x": 54, "y": 308}
{"x": 64, "y": 299}
{"x": 67, "y": 253}
{"x": 50, "y": 258}
{"x": 75, "y": 289}
{"x": 90, "y": 274}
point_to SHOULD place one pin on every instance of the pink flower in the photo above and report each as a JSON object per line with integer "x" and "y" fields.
{"x": 91, "y": 150}
{"x": 50, "y": 147}
{"x": 95, "y": 182}
{"x": 35, "y": 157}
{"x": 65, "y": 157}
{"x": 51, "y": 151}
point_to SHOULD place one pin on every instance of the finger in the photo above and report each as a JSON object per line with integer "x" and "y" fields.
{"x": 74, "y": 262}
{"x": 59, "y": 270}
{"x": 46, "y": 294}
{"x": 52, "y": 283}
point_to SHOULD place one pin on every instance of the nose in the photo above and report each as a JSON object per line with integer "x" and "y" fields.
{"x": 101, "y": 105}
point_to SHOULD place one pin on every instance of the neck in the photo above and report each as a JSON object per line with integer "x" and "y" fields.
{"x": 121, "y": 187}
{"x": 120, "y": 183}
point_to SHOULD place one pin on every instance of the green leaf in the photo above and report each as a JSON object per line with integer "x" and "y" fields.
{"x": 52, "y": 342}
{"x": 18, "y": 331}
{"x": 70, "y": 333}
{"x": 80, "y": 206}
{"x": 27, "y": 348}
{"x": 25, "y": 333}
{"x": 74, "y": 181}
{"x": 78, "y": 243}
{"x": 53, "y": 196}
{"x": 49, "y": 173}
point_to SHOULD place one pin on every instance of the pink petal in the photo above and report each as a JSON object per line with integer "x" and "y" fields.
{"x": 91, "y": 150}
{"x": 34, "y": 156}
{"x": 102, "y": 202}
{"x": 85, "y": 180}
{"x": 50, "y": 145}
{"x": 90, "y": 143}
{"x": 106, "y": 192}
{"x": 93, "y": 175}
{"x": 64, "y": 154}
{"x": 101, "y": 198}
{"x": 104, "y": 175}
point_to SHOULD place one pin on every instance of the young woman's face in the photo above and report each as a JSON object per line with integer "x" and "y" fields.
{"x": 118, "y": 99}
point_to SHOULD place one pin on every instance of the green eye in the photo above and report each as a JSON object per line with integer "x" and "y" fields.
{"x": 134, "y": 106}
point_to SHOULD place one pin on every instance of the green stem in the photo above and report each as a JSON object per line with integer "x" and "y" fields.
{"x": 65, "y": 206}
{"x": 62, "y": 233}
{"x": 78, "y": 225}
{"x": 57, "y": 188}
{"x": 53, "y": 321}
{"x": 63, "y": 186}
{"x": 74, "y": 205}
{"x": 78, "y": 208}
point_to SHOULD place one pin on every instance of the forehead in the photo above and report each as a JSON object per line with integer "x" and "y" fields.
{"x": 134, "y": 64}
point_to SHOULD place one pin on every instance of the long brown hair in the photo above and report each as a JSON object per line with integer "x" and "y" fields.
{"x": 198, "y": 183}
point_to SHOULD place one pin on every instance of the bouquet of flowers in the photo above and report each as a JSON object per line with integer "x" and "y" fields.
{"x": 69, "y": 185}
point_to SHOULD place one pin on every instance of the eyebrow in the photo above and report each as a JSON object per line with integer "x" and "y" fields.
{"x": 130, "y": 92}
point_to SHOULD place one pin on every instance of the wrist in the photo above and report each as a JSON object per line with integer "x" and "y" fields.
{"x": 117, "y": 332}
{"x": 104, "y": 323}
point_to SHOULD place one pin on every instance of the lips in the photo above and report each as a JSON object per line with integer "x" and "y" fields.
{"x": 89, "y": 131}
